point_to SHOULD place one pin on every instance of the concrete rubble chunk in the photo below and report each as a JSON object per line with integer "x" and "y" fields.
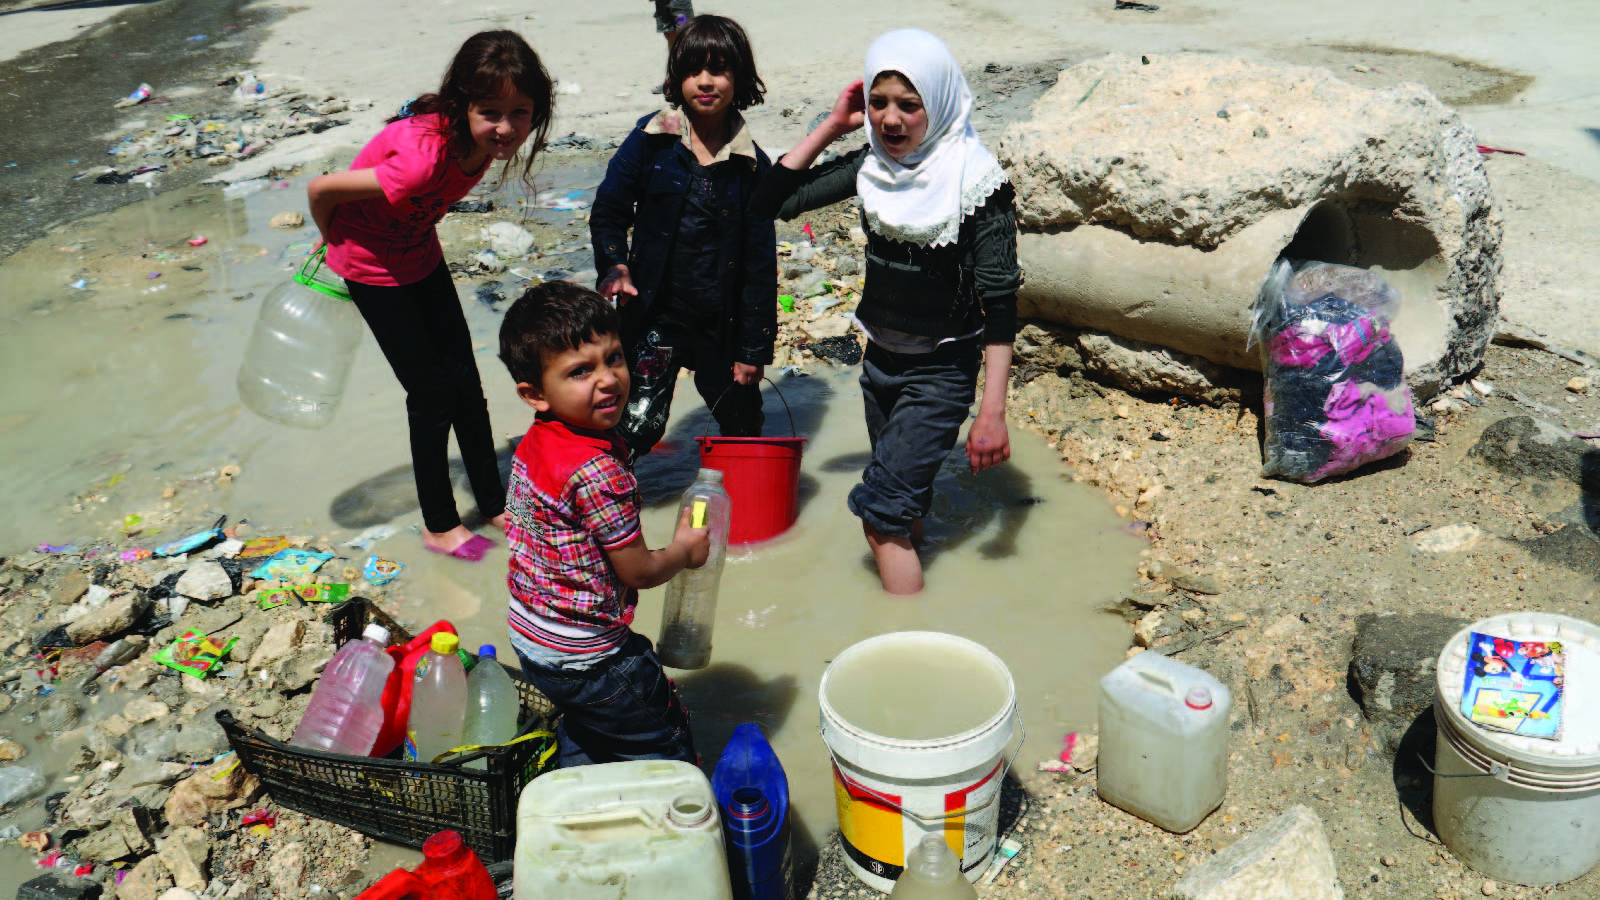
{"x": 135, "y": 827}
{"x": 144, "y": 709}
{"x": 1153, "y": 196}
{"x": 117, "y": 614}
{"x": 286, "y": 869}
{"x": 69, "y": 588}
{"x": 1141, "y": 368}
{"x": 1393, "y": 669}
{"x": 104, "y": 845}
{"x": 1288, "y": 858}
{"x": 148, "y": 881}
{"x": 185, "y": 854}
{"x": 278, "y": 643}
{"x": 206, "y": 581}
{"x": 223, "y": 785}
{"x": 1526, "y": 447}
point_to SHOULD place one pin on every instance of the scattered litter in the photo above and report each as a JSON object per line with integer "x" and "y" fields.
{"x": 367, "y": 538}
{"x": 194, "y": 654}
{"x": 473, "y": 205}
{"x": 806, "y": 229}
{"x": 153, "y": 275}
{"x": 489, "y": 261}
{"x": 1137, "y": 7}
{"x": 380, "y": 571}
{"x": 191, "y": 543}
{"x": 197, "y": 37}
{"x": 57, "y": 548}
{"x": 568, "y": 88}
{"x": 197, "y": 241}
{"x": 79, "y": 285}
{"x": 241, "y": 189}
{"x": 260, "y": 822}
{"x": 290, "y": 565}
{"x": 265, "y": 546}
{"x": 787, "y": 302}
{"x": 489, "y": 294}
{"x": 508, "y": 239}
{"x": 572, "y": 200}
{"x": 1486, "y": 150}
{"x": 272, "y": 598}
{"x": 140, "y": 94}
{"x": 1003, "y": 854}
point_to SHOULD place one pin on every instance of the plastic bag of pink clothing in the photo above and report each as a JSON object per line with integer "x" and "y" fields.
{"x": 1336, "y": 396}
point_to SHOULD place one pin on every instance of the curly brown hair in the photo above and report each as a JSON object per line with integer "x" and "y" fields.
{"x": 719, "y": 44}
{"x": 485, "y": 65}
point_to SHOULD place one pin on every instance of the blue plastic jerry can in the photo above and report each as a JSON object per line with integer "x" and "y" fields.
{"x": 753, "y": 792}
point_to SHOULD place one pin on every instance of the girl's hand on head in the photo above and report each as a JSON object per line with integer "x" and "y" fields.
{"x": 850, "y": 110}
{"x": 988, "y": 442}
{"x": 618, "y": 286}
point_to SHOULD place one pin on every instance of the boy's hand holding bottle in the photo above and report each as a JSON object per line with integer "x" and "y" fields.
{"x": 697, "y": 541}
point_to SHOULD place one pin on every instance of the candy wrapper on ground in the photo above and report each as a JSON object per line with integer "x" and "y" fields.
{"x": 380, "y": 571}
{"x": 273, "y": 598}
{"x": 1515, "y": 686}
{"x": 1336, "y": 397}
{"x": 264, "y": 546}
{"x": 291, "y": 565}
{"x": 189, "y": 544}
{"x": 194, "y": 653}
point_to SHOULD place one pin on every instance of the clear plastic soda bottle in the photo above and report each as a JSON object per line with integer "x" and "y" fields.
{"x": 438, "y": 701}
{"x": 933, "y": 873}
{"x": 300, "y": 352}
{"x": 346, "y": 712}
{"x": 492, "y": 704}
{"x": 691, "y": 609}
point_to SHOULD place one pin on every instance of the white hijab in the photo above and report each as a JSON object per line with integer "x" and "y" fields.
{"x": 950, "y": 173}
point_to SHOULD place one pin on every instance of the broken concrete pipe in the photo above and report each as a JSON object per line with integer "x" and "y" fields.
{"x": 1154, "y": 197}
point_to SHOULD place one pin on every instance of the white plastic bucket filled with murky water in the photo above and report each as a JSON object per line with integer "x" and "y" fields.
{"x": 1517, "y": 808}
{"x": 917, "y": 723}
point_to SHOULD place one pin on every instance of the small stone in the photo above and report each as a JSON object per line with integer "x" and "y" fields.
{"x": 206, "y": 581}
{"x": 830, "y": 327}
{"x": 1578, "y": 385}
{"x": 1122, "y": 411}
{"x": 288, "y": 220}
{"x": 144, "y": 709}
{"x": 1389, "y": 861}
{"x": 104, "y": 845}
{"x": 117, "y": 614}
{"x": 1148, "y": 629}
{"x": 11, "y": 751}
{"x": 148, "y": 881}
{"x": 1448, "y": 539}
{"x": 278, "y": 643}
{"x": 69, "y": 588}
{"x": 1490, "y": 889}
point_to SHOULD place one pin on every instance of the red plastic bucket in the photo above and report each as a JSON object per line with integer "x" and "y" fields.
{"x": 762, "y": 478}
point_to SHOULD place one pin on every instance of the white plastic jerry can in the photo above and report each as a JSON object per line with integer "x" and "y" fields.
{"x": 644, "y": 830}
{"x": 1163, "y": 741}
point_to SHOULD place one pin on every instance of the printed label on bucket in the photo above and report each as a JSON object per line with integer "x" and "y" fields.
{"x": 875, "y": 834}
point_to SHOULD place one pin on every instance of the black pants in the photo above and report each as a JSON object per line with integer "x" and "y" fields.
{"x": 423, "y": 334}
{"x": 657, "y": 349}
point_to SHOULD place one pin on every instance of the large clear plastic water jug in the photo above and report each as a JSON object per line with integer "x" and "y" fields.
{"x": 300, "y": 353}
{"x": 1163, "y": 741}
{"x": 690, "y": 611}
{"x": 345, "y": 714}
{"x": 643, "y": 829}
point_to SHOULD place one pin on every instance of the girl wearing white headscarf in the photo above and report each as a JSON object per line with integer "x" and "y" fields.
{"x": 941, "y": 280}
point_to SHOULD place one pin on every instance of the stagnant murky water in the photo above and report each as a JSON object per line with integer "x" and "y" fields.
{"x": 116, "y": 391}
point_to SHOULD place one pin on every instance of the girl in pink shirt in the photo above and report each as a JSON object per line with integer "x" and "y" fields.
{"x": 378, "y": 219}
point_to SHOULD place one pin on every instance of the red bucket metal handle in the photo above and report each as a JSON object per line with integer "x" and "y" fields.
{"x": 707, "y": 433}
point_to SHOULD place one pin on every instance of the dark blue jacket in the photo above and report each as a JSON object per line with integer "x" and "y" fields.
{"x": 644, "y": 190}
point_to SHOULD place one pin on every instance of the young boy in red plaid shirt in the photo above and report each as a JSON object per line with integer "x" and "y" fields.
{"x": 578, "y": 556}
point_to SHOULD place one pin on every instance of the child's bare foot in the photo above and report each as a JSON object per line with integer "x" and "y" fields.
{"x": 899, "y": 568}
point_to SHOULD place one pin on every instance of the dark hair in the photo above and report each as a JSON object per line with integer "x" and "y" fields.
{"x": 485, "y": 65}
{"x": 549, "y": 319}
{"x": 719, "y": 44}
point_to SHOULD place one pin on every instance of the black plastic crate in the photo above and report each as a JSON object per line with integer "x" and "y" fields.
{"x": 395, "y": 800}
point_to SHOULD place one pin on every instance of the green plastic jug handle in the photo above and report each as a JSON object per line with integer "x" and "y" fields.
{"x": 307, "y": 275}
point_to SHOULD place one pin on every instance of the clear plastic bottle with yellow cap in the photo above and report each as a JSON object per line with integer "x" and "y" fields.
{"x": 438, "y": 701}
{"x": 690, "y": 612}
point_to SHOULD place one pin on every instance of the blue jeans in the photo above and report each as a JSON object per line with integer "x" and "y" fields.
{"x": 621, "y": 708}
{"x": 915, "y": 405}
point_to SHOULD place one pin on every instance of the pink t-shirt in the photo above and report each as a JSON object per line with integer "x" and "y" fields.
{"x": 390, "y": 240}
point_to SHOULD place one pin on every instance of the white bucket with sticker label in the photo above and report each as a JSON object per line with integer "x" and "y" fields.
{"x": 1517, "y": 808}
{"x": 917, "y": 723}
